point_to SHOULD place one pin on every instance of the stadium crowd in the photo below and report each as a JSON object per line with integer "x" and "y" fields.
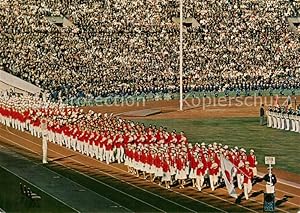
{"x": 152, "y": 152}
{"x": 131, "y": 47}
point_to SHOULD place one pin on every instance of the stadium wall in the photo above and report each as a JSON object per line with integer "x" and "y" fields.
{"x": 8, "y": 81}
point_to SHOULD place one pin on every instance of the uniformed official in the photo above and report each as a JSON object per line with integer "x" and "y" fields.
{"x": 262, "y": 115}
{"x": 270, "y": 181}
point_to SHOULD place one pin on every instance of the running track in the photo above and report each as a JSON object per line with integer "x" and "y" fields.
{"x": 145, "y": 193}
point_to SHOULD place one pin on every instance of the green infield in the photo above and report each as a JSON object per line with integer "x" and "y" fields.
{"x": 12, "y": 200}
{"x": 241, "y": 132}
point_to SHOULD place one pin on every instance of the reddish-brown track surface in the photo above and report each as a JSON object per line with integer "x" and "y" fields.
{"x": 219, "y": 198}
{"x": 196, "y": 108}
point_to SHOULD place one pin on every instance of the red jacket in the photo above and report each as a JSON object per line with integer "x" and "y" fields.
{"x": 248, "y": 174}
{"x": 166, "y": 167}
{"x": 252, "y": 160}
{"x": 193, "y": 163}
{"x": 149, "y": 159}
{"x": 201, "y": 171}
{"x": 158, "y": 162}
{"x": 143, "y": 158}
{"x": 179, "y": 164}
{"x": 213, "y": 168}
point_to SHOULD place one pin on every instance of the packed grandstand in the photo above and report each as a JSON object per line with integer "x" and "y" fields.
{"x": 131, "y": 47}
{"x": 122, "y": 48}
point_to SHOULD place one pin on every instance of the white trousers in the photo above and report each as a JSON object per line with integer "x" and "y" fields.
{"x": 101, "y": 154}
{"x": 270, "y": 121}
{"x": 199, "y": 182}
{"x": 282, "y": 123}
{"x": 278, "y": 123}
{"x": 91, "y": 150}
{"x": 74, "y": 143}
{"x": 96, "y": 151}
{"x": 293, "y": 125}
{"x": 44, "y": 149}
{"x": 287, "y": 124}
{"x": 86, "y": 148}
{"x": 298, "y": 126}
{"x": 274, "y": 122}
{"x": 213, "y": 179}
{"x": 120, "y": 155}
{"x": 109, "y": 156}
{"x": 68, "y": 142}
{"x": 247, "y": 189}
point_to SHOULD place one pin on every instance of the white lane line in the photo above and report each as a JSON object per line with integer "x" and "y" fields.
{"x": 39, "y": 188}
{"x": 253, "y": 200}
{"x": 283, "y": 196}
{"x": 228, "y": 201}
{"x": 170, "y": 190}
{"x": 149, "y": 191}
{"x": 121, "y": 179}
{"x": 184, "y": 195}
{"x": 143, "y": 189}
{"x": 212, "y": 195}
{"x": 127, "y": 173}
{"x": 209, "y": 193}
{"x": 148, "y": 204}
{"x": 287, "y": 183}
{"x": 279, "y": 181}
{"x": 87, "y": 175}
{"x": 280, "y": 190}
{"x": 90, "y": 190}
{"x": 176, "y": 192}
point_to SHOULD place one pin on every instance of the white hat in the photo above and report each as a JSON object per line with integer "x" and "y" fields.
{"x": 251, "y": 150}
{"x": 243, "y": 150}
{"x": 225, "y": 147}
{"x": 247, "y": 163}
{"x": 202, "y": 144}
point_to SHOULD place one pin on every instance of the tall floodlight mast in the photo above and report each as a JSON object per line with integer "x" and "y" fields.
{"x": 181, "y": 59}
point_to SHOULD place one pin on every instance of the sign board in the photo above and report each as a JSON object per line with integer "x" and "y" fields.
{"x": 269, "y": 160}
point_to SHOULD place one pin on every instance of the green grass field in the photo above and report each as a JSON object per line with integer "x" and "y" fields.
{"x": 11, "y": 199}
{"x": 241, "y": 132}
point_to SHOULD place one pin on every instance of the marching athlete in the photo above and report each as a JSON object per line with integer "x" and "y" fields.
{"x": 248, "y": 176}
{"x": 213, "y": 169}
{"x": 200, "y": 173}
{"x": 166, "y": 172}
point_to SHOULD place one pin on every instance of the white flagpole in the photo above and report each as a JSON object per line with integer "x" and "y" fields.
{"x": 181, "y": 58}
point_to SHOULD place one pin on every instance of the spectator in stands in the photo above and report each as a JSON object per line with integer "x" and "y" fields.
{"x": 131, "y": 47}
